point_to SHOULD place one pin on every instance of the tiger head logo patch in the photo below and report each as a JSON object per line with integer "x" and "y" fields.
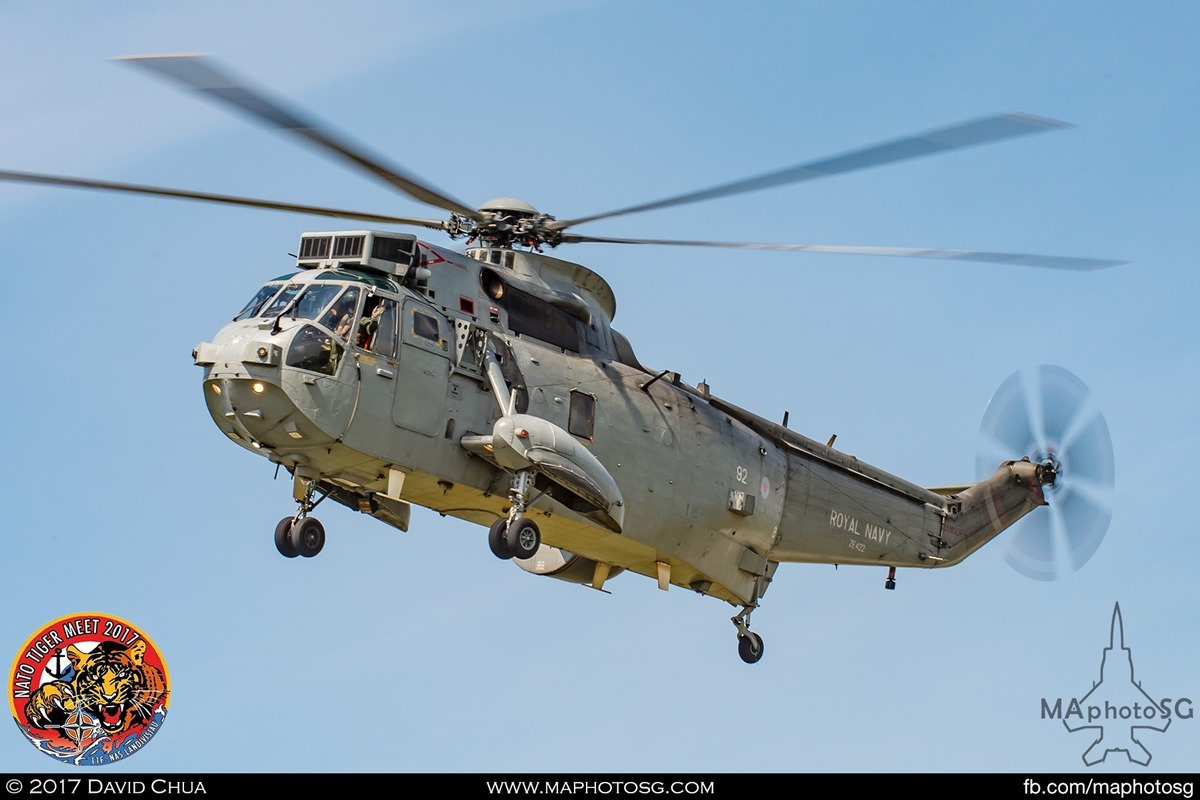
{"x": 89, "y": 689}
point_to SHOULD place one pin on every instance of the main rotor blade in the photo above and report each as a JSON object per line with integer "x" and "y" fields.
{"x": 200, "y": 74}
{"x": 184, "y": 194}
{"x": 1019, "y": 259}
{"x": 967, "y": 134}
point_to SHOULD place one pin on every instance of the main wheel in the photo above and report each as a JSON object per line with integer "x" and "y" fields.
{"x": 523, "y": 538}
{"x": 307, "y": 537}
{"x": 496, "y": 539}
{"x": 283, "y": 541}
{"x": 750, "y": 647}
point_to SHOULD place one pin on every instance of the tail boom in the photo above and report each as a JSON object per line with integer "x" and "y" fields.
{"x": 981, "y": 512}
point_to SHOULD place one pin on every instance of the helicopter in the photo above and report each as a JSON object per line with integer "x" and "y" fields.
{"x": 489, "y": 384}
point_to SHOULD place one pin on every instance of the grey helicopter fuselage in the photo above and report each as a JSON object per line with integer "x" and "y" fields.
{"x": 389, "y": 372}
{"x": 490, "y": 386}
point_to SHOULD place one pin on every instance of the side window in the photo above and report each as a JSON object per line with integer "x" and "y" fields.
{"x": 315, "y": 350}
{"x": 369, "y": 322}
{"x": 340, "y": 316}
{"x": 426, "y": 326}
{"x": 582, "y": 421}
{"x": 380, "y": 326}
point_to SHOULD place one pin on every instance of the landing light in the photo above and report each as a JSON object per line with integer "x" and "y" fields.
{"x": 257, "y": 387}
{"x": 216, "y": 388}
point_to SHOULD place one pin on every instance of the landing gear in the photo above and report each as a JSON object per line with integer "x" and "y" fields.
{"x": 516, "y": 536}
{"x": 890, "y": 583}
{"x": 750, "y": 644}
{"x": 750, "y": 647}
{"x": 283, "y": 542}
{"x": 514, "y": 539}
{"x": 301, "y": 535}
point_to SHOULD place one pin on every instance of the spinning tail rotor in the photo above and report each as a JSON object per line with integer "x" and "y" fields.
{"x": 1049, "y": 415}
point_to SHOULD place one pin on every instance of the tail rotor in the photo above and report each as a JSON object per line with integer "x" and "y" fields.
{"x": 1050, "y": 416}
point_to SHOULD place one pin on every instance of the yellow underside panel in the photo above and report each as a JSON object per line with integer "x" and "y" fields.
{"x": 559, "y": 528}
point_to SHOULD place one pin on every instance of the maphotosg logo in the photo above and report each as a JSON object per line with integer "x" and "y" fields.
{"x": 1117, "y": 710}
{"x": 88, "y": 689}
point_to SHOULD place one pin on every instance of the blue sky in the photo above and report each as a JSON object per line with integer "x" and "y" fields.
{"x": 422, "y": 652}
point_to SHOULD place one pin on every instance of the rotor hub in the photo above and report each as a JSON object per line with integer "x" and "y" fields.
{"x": 506, "y": 222}
{"x": 1049, "y": 468}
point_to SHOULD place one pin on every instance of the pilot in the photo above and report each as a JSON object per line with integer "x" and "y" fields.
{"x": 368, "y": 325}
{"x": 340, "y": 316}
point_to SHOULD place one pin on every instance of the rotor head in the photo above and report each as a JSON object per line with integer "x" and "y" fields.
{"x": 506, "y": 222}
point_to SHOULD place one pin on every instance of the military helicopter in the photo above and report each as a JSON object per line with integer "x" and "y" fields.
{"x": 490, "y": 385}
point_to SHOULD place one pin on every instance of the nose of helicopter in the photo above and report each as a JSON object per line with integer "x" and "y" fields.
{"x": 244, "y": 390}
{"x": 249, "y": 410}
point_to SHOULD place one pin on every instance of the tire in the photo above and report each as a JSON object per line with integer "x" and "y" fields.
{"x": 750, "y": 647}
{"x": 523, "y": 538}
{"x": 307, "y": 537}
{"x": 496, "y": 539}
{"x": 283, "y": 541}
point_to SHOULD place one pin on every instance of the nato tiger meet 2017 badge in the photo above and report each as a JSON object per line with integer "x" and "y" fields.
{"x": 89, "y": 689}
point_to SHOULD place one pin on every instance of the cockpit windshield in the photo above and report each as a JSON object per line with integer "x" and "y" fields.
{"x": 297, "y": 300}
{"x": 315, "y": 299}
{"x": 282, "y": 300}
{"x": 251, "y": 309}
{"x": 311, "y": 299}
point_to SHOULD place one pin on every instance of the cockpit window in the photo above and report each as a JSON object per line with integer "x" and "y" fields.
{"x": 314, "y": 300}
{"x": 282, "y": 300}
{"x": 313, "y": 349}
{"x": 301, "y": 301}
{"x": 379, "y": 325}
{"x": 251, "y": 309}
{"x": 340, "y": 316}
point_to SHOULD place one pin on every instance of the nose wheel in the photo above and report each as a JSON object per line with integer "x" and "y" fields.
{"x": 301, "y": 535}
